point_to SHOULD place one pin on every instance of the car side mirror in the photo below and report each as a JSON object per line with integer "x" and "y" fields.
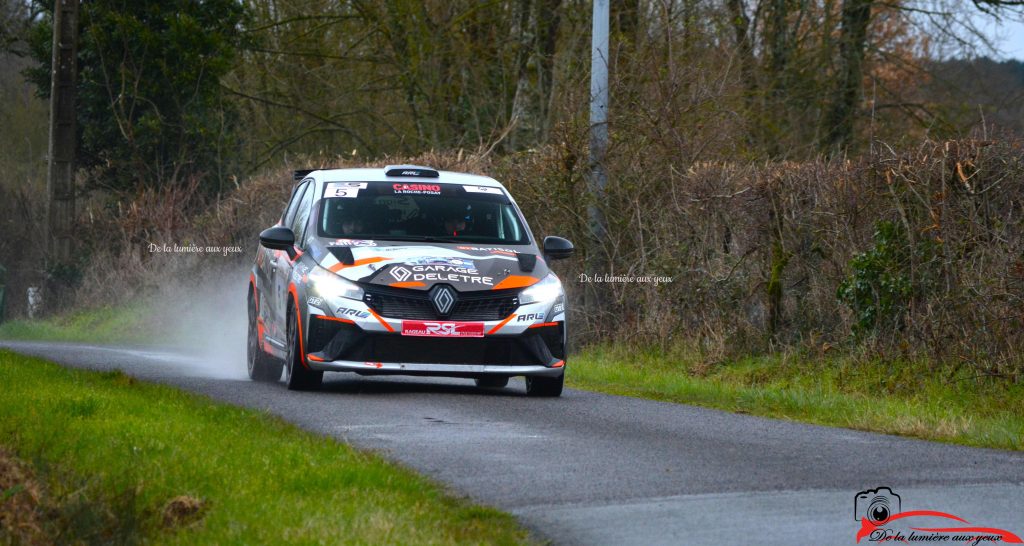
{"x": 557, "y": 248}
{"x": 279, "y": 238}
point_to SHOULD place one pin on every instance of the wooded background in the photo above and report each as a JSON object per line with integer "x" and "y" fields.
{"x": 810, "y": 172}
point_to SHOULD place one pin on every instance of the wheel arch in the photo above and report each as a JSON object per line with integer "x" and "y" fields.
{"x": 293, "y": 307}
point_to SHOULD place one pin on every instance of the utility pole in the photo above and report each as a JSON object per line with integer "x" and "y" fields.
{"x": 598, "y": 149}
{"x": 598, "y": 114}
{"x": 60, "y": 179}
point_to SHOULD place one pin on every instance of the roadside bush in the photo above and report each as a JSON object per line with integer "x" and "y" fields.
{"x": 759, "y": 252}
{"x": 919, "y": 251}
{"x": 882, "y": 283}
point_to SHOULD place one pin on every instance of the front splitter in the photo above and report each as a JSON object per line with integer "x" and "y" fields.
{"x": 418, "y": 368}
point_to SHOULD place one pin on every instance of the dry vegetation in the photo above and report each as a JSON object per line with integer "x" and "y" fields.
{"x": 919, "y": 250}
{"x": 20, "y": 514}
{"x": 915, "y": 252}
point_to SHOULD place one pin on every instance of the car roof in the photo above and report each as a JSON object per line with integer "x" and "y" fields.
{"x": 377, "y": 175}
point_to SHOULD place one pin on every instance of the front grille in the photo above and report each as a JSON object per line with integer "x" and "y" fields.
{"x": 503, "y": 351}
{"x": 397, "y": 303}
{"x": 405, "y": 303}
{"x": 491, "y": 305}
{"x": 497, "y": 351}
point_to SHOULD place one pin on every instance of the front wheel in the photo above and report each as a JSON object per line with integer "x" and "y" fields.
{"x": 545, "y": 386}
{"x": 297, "y": 376}
{"x": 262, "y": 367}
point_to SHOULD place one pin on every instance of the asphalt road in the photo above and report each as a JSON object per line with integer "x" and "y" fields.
{"x": 596, "y": 469}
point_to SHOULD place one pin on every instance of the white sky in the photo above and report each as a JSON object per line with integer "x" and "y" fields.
{"x": 1008, "y": 37}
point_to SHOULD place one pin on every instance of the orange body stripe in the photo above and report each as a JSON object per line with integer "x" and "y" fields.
{"x": 502, "y": 323}
{"x": 515, "y": 281}
{"x": 373, "y": 259}
{"x": 409, "y": 284}
{"x": 382, "y": 321}
{"x": 315, "y": 358}
{"x": 336, "y": 319}
{"x": 543, "y": 324}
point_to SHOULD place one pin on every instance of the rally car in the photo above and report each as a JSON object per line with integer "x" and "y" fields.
{"x": 406, "y": 270}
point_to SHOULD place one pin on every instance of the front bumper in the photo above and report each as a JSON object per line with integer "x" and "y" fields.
{"x": 434, "y": 369}
{"x": 341, "y": 346}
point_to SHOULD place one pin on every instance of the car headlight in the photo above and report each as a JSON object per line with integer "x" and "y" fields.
{"x": 330, "y": 285}
{"x": 547, "y": 290}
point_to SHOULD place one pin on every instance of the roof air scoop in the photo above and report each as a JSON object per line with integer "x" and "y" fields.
{"x": 415, "y": 171}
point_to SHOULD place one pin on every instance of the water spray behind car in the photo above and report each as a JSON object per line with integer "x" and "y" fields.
{"x": 205, "y": 316}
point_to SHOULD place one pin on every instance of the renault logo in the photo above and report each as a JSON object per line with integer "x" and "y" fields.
{"x": 443, "y": 298}
{"x": 400, "y": 273}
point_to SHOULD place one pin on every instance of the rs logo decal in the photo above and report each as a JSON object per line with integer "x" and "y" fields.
{"x": 442, "y": 329}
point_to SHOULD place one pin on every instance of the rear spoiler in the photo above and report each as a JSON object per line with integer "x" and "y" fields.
{"x": 299, "y": 174}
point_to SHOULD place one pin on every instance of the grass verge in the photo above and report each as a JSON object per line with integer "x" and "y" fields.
{"x": 105, "y": 458}
{"x": 908, "y": 398}
{"x": 120, "y": 324}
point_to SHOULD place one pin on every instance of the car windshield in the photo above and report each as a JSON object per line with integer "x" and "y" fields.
{"x": 422, "y": 211}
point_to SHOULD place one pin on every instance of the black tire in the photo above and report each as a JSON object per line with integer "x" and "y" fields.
{"x": 297, "y": 376}
{"x": 492, "y": 381}
{"x": 545, "y": 386}
{"x": 262, "y": 367}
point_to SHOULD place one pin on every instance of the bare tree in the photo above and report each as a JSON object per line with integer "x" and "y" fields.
{"x": 839, "y": 119}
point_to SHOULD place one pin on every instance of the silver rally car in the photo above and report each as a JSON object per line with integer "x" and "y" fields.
{"x": 406, "y": 270}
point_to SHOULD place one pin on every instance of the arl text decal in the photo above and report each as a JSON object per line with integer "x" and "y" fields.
{"x": 442, "y": 329}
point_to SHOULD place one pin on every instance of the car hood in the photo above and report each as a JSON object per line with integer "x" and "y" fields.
{"x": 420, "y": 266}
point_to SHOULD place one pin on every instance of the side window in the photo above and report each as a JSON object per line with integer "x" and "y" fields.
{"x": 509, "y": 226}
{"x": 289, "y": 213}
{"x": 302, "y": 215}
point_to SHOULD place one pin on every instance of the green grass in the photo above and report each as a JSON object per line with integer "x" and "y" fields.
{"x": 112, "y": 452}
{"x": 119, "y": 324}
{"x": 908, "y": 398}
